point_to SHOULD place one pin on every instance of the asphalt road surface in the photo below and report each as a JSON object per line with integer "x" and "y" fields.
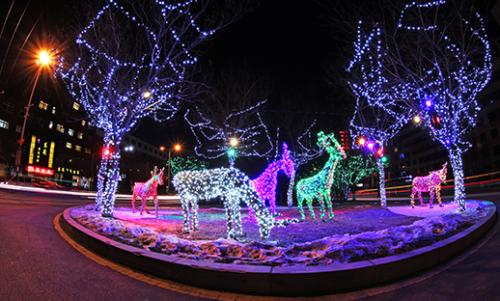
{"x": 37, "y": 264}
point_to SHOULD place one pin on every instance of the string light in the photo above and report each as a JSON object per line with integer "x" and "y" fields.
{"x": 116, "y": 86}
{"x": 378, "y": 116}
{"x": 431, "y": 184}
{"x": 318, "y": 186}
{"x": 216, "y": 140}
{"x": 229, "y": 184}
{"x": 265, "y": 184}
{"x": 459, "y": 69}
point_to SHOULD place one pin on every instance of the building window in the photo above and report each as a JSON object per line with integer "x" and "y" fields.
{"x": 71, "y": 132}
{"x": 69, "y": 145}
{"x": 43, "y": 105}
{"x": 84, "y": 122}
{"x": 51, "y": 124}
{"x": 76, "y": 106}
{"x": 53, "y": 110}
{"x": 78, "y": 148}
{"x": 60, "y": 128}
{"x": 87, "y": 150}
{"x": 4, "y": 124}
{"x": 79, "y": 135}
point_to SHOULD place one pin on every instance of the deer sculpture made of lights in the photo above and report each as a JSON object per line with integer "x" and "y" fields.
{"x": 430, "y": 183}
{"x": 145, "y": 190}
{"x": 319, "y": 185}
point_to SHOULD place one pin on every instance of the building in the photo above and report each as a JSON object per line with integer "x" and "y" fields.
{"x": 62, "y": 147}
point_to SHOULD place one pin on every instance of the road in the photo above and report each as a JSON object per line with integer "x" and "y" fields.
{"x": 37, "y": 264}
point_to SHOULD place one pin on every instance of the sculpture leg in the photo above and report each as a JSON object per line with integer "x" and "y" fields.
{"x": 322, "y": 206}
{"x": 133, "y": 202}
{"x": 194, "y": 216}
{"x": 229, "y": 220}
{"x": 421, "y": 198}
{"x": 272, "y": 203}
{"x": 412, "y": 198}
{"x": 236, "y": 221}
{"x": 251, "y": 215}
{"x": 431, "y": 197}
{"x": 300, "y": 200}
{"x": 330, "y": 209}
{"x": 438, "y": 193}
{"x": 310, "y": 206}
{"x": 142, "y": 204}
{"x": 185, "y": 210}
{"x": 156, "y": 205}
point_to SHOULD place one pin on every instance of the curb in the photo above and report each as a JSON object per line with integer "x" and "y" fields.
{"x": 278, "y": 281}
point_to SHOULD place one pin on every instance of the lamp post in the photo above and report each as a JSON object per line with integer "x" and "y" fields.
{"x": 43, "y": 59}
{"x": 177, "y": 147}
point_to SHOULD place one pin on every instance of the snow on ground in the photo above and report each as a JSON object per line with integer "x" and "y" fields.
{"x": 163, "y": 235}
{"x": 426, "y": 211}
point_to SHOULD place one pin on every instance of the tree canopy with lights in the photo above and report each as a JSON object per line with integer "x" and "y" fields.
{"x": 129, "y": 62}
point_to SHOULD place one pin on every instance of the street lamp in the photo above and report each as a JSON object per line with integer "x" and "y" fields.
{"x": 43, "y": 59}
{"x": 177, "y": 147}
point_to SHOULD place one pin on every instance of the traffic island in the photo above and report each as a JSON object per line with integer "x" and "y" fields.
{"x": 299, "y": 259}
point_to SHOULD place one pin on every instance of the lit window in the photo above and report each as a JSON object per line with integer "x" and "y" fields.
{"x": 51, "y": 124}
{"x": 87, "y": 150}
{"x": 76, "y": 106}
{"x": 71, "y": 132}
{"x": 83, "y": 122}
{"x": 53, "y": 110}
{"x": 60, "y": 128}
{"x": 79, "y": 135}
{"x": 4, "y": 124}
{"x": 78, "y": 148}
{"x": 18, "y": 129}
{"x": 69, "y": 145}
{"x": 43, "y": 105}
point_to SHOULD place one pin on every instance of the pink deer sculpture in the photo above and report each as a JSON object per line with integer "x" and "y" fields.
{"x": 431, "y": 184}
{"x": 148, "y": 189}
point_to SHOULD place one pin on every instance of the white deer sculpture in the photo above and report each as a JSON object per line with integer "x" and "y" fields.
{"x": 229, "y": 184}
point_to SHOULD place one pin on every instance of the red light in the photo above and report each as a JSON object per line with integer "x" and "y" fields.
{"x": 106, "y": 152}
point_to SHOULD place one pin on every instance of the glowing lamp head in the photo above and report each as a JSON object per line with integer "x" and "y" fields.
{"x": 370, "y": 145}
{"x": 44, "y": 58}
{"x": 380, "y": 152}
{"x": 162, "y": 148}
{"x": 147, "y": 94}
{"x": 383, "y": 159}
{"x": 234, "y": 142}
{"x": 417, "y": 119}
{"x": 177, "y": 147}
{"x": 428, "y": 103}
{"x": 361, "y": 141}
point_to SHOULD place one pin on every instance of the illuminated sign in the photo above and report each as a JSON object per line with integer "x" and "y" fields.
{"x": 39, "y": 170}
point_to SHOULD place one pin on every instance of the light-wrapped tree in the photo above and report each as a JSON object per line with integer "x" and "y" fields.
{"x": 129, "y": 62}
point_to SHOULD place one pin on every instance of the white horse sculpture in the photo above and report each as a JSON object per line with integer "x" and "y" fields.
{"x": 229, "y": 184}
{"x": 430, "y": 183}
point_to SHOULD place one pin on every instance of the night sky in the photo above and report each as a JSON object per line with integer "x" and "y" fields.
{"x": 287, "y": 43}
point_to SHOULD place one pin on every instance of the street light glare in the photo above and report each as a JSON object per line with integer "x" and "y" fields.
{"x": 233, "y": 142}
{"x": 177, "y": 147}
{"x": 146, "y": 94}
{"x": 44, "y": 58}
